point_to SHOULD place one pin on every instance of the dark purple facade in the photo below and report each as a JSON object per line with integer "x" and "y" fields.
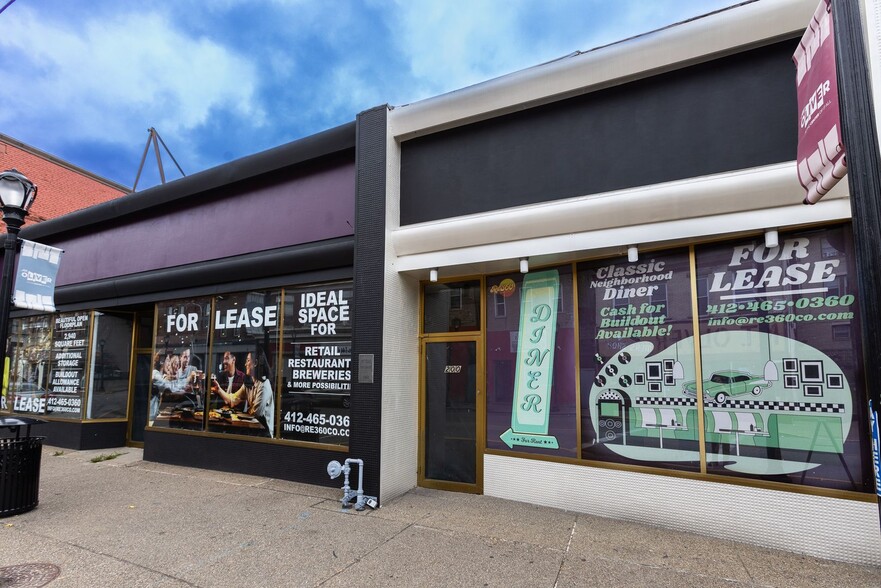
{"x": 227, "y": 222}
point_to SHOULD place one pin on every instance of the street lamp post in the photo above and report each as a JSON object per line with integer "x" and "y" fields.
{"x": 17, "y": 194}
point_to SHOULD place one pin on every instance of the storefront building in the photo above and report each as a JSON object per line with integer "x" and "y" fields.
{"x": 590, "y": 285}
{"x": 209, "y": 320}
{"x": 634, "y": 315}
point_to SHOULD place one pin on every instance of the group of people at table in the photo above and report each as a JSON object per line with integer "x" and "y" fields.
{"x": 177, "y": 380}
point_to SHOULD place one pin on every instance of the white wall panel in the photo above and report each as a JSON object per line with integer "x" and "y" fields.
{"x": 739, "y": 201}
{"x": 400, "y": 374}
{"x": 831, "y": 528}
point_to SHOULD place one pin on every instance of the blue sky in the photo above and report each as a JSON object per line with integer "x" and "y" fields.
{"x": 222, "y": 79}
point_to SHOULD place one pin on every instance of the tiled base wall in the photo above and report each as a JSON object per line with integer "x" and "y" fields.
{"x": 830, "y": 528}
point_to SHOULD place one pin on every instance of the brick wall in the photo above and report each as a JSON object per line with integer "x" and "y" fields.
{"x": 61, "y": 188}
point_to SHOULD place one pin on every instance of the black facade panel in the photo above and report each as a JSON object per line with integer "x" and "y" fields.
{"x": 76, "y": 435}
{"x": 242, "y": 456}
{"x": 367, "y": 327}
{"x": 102, "y": 435}
{"x": 864, "y": 178}
{"x": 57, "y": 434}
{"x": 731, "y": 113}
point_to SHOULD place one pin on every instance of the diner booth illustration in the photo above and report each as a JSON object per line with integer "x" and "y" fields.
{"x": 807, "y": 408}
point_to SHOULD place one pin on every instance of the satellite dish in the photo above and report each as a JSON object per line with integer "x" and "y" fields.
{"x": 334, "y": 469}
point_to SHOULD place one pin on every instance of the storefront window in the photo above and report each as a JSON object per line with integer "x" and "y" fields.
{"x": 782, "y": 384}
{"x": 180, "y": 353}
{"x": 317, "y": 359}
{"x": 774, "y": 390}
{"x": 636, "y": 359}
{"x": 244, "y": 348}
{"x": 111, "y": 357}
{"x": 530, "y": 362}
{"x": 30, "y": 344}
{"x": 242, "y": 389}
{"x": 452, "y": 307}
{"x": 70, "y": 352}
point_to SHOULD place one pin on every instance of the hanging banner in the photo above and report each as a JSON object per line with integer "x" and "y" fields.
{"x": 35, "y": 281}
{"x": 821, "y": 156}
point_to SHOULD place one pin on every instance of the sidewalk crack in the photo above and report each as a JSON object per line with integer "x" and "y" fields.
{"x": 365, "y": 554}
{"x": 566, "y": 551}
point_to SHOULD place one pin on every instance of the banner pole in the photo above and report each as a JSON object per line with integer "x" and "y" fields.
{"x": 10, "y": 250}
{"x": 864, "y": 178}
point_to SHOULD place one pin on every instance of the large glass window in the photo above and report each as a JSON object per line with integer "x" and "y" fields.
{"x": 244, "y": 348}
{"x": 110, "y": 361}
{"x": 782, "y": 383}
{"x": 317, "y": 357}
{"x": 636, "y": 359}
{"x": 54, "y": 359}
{"x": 769, "y": 388}
{"x": 279, "y": 370}
{"x": 30, "y": 345}
{"x": 530, "y": 362}
{"x": 180, "y": 354}
{"x": 70, "y": 354}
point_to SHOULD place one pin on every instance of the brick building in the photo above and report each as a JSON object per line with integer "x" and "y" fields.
{"x": 63, "y": 187}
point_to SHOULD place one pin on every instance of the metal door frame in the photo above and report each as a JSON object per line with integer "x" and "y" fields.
{"x": 479, "y": 412}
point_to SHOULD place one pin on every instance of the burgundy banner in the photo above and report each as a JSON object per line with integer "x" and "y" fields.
{"x": 821, "y": 160}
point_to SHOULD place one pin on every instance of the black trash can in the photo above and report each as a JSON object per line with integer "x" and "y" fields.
{"x": 20, "y": 458}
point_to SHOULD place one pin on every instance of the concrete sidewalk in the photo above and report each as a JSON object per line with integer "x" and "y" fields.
{"x": 125, "y": 522}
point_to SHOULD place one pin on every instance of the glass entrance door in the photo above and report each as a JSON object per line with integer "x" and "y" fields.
{"x": 451, "y": 411}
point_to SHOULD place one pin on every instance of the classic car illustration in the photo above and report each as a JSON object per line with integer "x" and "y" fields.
{"x": 725, "y": 384}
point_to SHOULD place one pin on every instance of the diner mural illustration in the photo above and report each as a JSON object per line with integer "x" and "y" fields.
{"x": 805, "y": 404}
{"x": 764, "y": 382}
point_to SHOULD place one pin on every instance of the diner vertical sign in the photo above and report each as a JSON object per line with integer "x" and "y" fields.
{"x": 530, "y": 413}
{"x": 70, "y": 344}
{"x": 317, "y": 383}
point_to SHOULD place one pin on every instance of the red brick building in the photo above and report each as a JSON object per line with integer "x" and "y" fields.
{"x": 62, "y": 187}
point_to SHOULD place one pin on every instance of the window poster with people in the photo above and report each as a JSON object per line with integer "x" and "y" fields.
{"x": 177, "y": 395}
{"x": 782, "y": 386}
{"x": 317, "y": 360}
{"x": 530, "y": 363}
{"x": 244, "y": 344}
{"x": 636, "y": 358}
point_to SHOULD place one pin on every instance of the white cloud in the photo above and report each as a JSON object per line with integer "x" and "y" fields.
{"x": 349, "y": 89}
{"x": 111, "y": 77}
{"x": 265, "y": 71}
{"x": 451, "y": 45}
